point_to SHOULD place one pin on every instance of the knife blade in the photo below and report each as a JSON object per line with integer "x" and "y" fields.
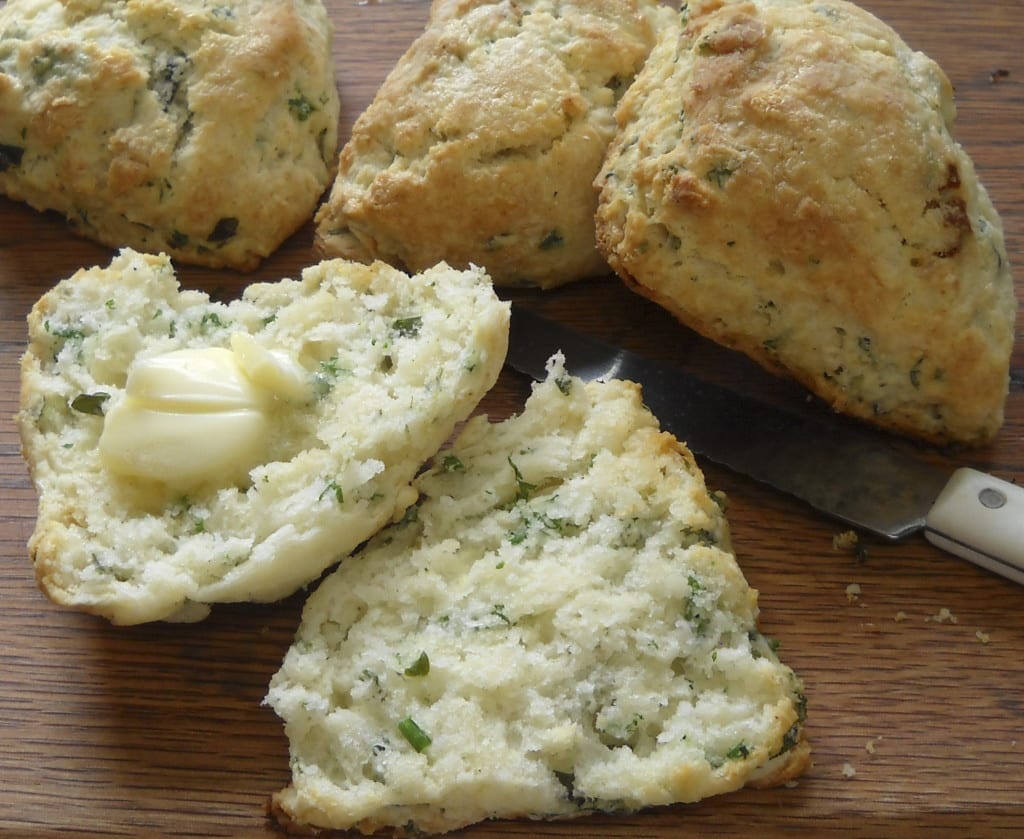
{"x": 866, "y": 480}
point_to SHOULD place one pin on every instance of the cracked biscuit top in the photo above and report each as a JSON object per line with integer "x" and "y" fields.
{"x": 482, "y": 144}
{"x": 785, "y": 182}
{"x": 206, "y": 131}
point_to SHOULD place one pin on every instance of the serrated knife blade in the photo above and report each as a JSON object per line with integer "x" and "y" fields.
{"x": 868, "y": 481}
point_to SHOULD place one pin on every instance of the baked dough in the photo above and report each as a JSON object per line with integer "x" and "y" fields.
{"x": 560, "y": 628}
{"x": 785, "y": 182}
{"x": 482, "y": 144}
{"x": 388, "y": 364}
{"x": 204, "y": 130}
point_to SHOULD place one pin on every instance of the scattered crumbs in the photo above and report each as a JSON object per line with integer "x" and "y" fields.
{"x": 900, "y": 616}
{"x": 869, "y": 746}
{"x": 943, "y": 616}
{"x": 845, "y": 541}
{"x": 999, "y": 74}
{"x": 982, "y": 636}
{"x": 848, "y": 770}
{"x": 853, "y": 592}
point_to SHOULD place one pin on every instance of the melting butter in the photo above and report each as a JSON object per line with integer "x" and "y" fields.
{"x": 197, "y": 415}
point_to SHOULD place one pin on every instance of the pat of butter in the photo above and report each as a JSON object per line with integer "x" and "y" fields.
{"x": 197, "y": 415}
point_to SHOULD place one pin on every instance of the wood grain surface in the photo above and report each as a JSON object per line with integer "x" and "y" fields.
{"x": 916, "y": 714}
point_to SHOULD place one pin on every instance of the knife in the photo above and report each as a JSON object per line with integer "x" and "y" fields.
{"x": 868, "y": 481}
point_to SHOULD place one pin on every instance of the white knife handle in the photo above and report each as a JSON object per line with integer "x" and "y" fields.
{"x": 981, "y": 519}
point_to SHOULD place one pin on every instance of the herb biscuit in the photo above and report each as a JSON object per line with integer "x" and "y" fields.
{"x": 785, "y": 181}
{"x": 482, "y": 144}
{"x": 207, "y": 131}
{"x": 189, "y": 452}
{"x": 560, "y": 629}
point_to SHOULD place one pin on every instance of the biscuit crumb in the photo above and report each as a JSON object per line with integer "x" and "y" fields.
{"x": 853, "y": 592}
{"x": 982, "y": 636}
{"x": 900, "y": 616}
{"x": 848, "y": 770}
{"x": 944, "y": 615}
{"x": 869, "y": 746}
{"x": 845, "y": 541}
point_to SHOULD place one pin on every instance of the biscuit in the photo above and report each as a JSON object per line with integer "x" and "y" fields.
{"x": 561, "y": 628}
{"x": 206, "y": 131}
{"x": 786, "y": 183}
{"x": 482, "y": 144}
{"x": 161, "y": 493}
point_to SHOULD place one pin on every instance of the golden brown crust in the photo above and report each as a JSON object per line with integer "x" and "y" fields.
{"x": 481, "y": 145}
{"x": 785, "y": 182}
{"x": 205, "y": 132}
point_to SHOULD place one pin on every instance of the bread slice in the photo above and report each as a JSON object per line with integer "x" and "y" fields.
{"x": 482, "y": 144}
{"x": 377, "y": 368}
{"x": 204, "y": 130}
{"x": 557, "y": 627}
{"x": 785, "y": 182}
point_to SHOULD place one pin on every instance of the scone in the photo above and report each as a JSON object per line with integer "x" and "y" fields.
{"x": 482, "y": 144}
{"x": 204, "y": 130}
{"x": 785, "y": 182}
{"x": 558, "y": 627}
{"x": 188, "y": 452}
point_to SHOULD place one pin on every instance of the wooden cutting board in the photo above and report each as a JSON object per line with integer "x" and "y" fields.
{"x": 913, "y": 660}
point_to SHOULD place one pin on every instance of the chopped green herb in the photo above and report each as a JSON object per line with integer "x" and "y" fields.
{"x": 523, "y": 488}
{"x": 420, "y": 667}
{"x": 416, "y": 736}
{"x": 177, "y": 239}
{"x": 68, "y": 333}
{"x": 737, "y": 752}
{"x": 90, "y": 403}
{"x": 499, "y": 612}
{"x": 551, "y": 241}
{"x": 451, "y": 463}
{"x": 324, "y": 378}
{"x": 45, "y": 64}
{"x": 336, "y": 488}
{"x": 408, "y": 326}
{"x": 720, "y": 174}
{"x": 210, "y": 320}
{"x": 223, "y": 230}
{"x": 564, "y": 384}
{"x": 300, "y": 107}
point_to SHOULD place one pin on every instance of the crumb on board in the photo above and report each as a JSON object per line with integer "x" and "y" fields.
{"x": 900, "y": 616}
{"x": 848, "y": 770}
{"x": 869, "y": 746}
{"x": 982, "y": 636}
{"x": 853, "y": 592}
{"x": 845, "y": 541}
{"x": 848, "y": 541}
{"x": 944, "y": 615}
